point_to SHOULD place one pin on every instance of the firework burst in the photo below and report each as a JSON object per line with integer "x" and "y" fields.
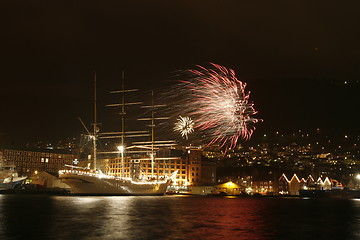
{"x": 185, "y": 126}
{"x": 219, "y": 105}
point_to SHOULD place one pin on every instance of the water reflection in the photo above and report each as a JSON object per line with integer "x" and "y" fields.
{"x": 91, "y": 217}
{"x": 172, "y": 217}
{"x": 218, "y": 218}
{"x": 22, "y": 218}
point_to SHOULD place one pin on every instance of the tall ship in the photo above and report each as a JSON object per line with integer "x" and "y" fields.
{"x": 85, "y": 181}
{"x": 92, "y": 181}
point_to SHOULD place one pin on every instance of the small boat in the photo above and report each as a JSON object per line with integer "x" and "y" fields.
{"x": 9, "y": 178}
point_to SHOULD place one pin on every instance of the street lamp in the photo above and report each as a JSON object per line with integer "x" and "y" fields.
{"x": 121, "y": 150}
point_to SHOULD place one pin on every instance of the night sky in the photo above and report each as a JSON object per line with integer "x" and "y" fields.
{"x": 300, "y": 59}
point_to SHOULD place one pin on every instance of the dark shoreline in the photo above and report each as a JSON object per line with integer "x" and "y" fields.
{"x": 333, "y": 194}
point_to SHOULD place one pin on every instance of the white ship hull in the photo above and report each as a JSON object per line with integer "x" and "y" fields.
{"x": 104, "y": 185}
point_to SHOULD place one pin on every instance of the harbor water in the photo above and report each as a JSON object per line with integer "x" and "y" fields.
{"x": 177, "y": 217}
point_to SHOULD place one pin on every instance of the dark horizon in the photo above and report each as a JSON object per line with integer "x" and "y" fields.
{"x": 300, "y": 60}
{"x": 326, "y": 105}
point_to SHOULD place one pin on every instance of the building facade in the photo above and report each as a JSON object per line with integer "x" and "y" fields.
{"x": 142, "y": 168}
{"x": 28, "y": 162}
{"x": 190, "y": 167}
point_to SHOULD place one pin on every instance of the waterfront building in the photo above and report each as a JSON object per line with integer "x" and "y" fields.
{"x": 263, "y": 186}
{"x": 319, "y": 183}
{"x": 283, "y": 184}
{"x": 327, "y": 184}
{"x": 195, "y": 160}
{"x": 208, "y": 173}
{"x": 228, "y": 188}
{"x": 294, "y": 185}
{"x": 246, "y": 181}
{"x": 200, "y": 171}
{"x": 141, "y": 168}
{"x": 29, "y": 162}
{"x": 302, "y": 183}
{"x": 191, "y": 167}
{"x": 310, "y": 181}
{"x": 202, "y": 190}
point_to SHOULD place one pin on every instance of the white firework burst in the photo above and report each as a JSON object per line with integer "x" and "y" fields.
{"x": 185, "y": 126}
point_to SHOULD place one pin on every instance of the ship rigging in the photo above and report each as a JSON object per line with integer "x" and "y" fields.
{"x": 92, "y": 181}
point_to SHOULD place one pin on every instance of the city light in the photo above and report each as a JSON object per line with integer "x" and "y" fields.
{"x": 230, "y": 184}
{"x": 120, "y": 148}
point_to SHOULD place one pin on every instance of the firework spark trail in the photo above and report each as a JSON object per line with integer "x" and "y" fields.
{"x": 185, "y": 126}
{"x": 219, "y": 105}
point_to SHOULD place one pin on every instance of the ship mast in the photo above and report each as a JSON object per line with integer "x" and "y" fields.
{"x": 95, "y": 123}
{"x": 152, "y": 134}
{"x": 151, "y": 145}
{"x": 122, "y": 122}
{"x": 123, "y": 134}
{"x": 154, "y": 143}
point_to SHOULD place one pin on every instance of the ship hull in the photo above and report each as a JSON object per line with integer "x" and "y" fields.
{"x": 11, "y": 182}
{"x": 93, "y": 185}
